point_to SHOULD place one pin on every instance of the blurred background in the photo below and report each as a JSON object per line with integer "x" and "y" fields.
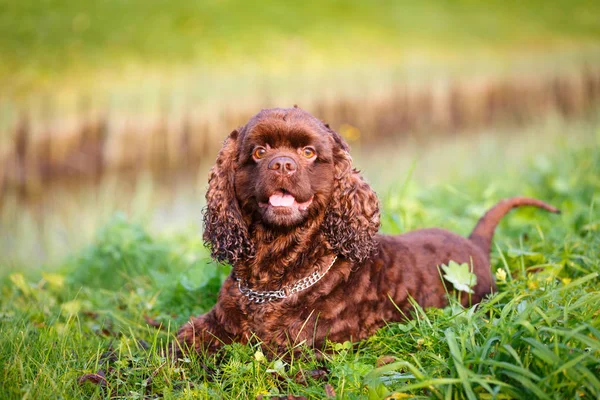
{"x": 122, "y": 105}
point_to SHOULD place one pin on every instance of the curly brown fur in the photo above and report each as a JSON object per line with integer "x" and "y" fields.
{"x": 224, "y": 230}
{"x": 283, "y": 202}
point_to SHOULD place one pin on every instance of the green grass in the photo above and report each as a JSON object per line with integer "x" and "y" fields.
{"x": 56, "y": 45}
{"x": 538, "y": 337}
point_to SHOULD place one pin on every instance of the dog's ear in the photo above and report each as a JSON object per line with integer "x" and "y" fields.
{"x": 352, "y": 219}
{"x": 225, "y": 232}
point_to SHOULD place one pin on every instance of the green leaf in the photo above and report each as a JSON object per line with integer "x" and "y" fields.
{"x": 18, "y": 280}
{"x": 196, "y": 277}
{"x": 71, "y": 307}
{"x": 278, "y": 367}
{"x": 459, "y": 275}
{"x": 54, "y": 280}
{"x": 530, "y": 256}
{"x": 463, "y": 371}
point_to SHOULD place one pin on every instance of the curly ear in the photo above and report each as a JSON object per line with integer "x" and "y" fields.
{"x": 225, "y": 233}
{"x": 352, "y": 219}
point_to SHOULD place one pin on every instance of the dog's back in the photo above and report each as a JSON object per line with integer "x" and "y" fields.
{"x": 419, "y": 254}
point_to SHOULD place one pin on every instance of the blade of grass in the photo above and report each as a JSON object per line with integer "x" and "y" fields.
{"x": 463, "y": 372}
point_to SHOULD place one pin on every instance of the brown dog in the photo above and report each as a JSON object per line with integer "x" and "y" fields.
{"x": 299, "y": 226}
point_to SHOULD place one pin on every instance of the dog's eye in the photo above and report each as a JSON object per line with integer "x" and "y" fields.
{"x": 259, "y": 153}
{"x": 308, "y": 152}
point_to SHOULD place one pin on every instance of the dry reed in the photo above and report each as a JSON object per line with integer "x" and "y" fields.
{"x": 40, "y": 144}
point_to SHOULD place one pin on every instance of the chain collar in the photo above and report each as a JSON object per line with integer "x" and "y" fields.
{"x": 266, "y": 296}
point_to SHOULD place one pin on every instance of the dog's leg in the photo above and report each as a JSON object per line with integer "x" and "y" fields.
{"x": 205, "y": 334}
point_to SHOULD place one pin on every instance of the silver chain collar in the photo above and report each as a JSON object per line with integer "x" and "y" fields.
{"x": 266, "y": 296}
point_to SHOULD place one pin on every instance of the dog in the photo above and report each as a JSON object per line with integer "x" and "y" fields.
{"x": 299, "y": 226}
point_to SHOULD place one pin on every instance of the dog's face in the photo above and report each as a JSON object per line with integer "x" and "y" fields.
{"x": 285, "y": 172}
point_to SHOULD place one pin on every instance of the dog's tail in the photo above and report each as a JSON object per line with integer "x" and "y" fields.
{"x": 484, "y": 230}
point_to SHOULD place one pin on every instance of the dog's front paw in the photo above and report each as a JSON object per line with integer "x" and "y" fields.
{"x": 202, "y": 334}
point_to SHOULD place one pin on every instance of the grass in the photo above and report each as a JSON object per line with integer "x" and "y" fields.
{"x": 60, "y": 45}
{"x": 91, "y": 328}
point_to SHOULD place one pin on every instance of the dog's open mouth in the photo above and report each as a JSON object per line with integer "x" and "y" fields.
{"x": 281, "y": 200}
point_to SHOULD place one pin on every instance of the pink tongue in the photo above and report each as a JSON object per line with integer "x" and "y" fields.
{"x": 281, "y": 200}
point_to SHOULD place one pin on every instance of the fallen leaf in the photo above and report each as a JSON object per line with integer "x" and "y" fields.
{"x": 91, "y": 314}
{"x": 329, "y": 390}
{"x": 153, "y": 322}
{"x": 384, "y": 360}
{"x": 316, "y": 374}
{"x": 109, "y": 356}
{"x": 98, "y": 378}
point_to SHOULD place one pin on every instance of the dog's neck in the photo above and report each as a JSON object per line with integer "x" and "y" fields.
{"x": 282, "y": 258}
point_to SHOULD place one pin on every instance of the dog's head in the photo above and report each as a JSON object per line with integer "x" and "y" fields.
{"x": 286, "y": 170}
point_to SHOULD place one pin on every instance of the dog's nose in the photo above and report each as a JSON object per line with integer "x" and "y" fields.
{"x": 283, "y": 165}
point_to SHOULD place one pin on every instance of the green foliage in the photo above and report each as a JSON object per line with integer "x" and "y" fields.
{"x": 121, "y": 252}
{"x": 91, "y": 329}
{"x": 125, "y": 256}
{"x": 460, "y": 275}
{"x": 64, "y": 41}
